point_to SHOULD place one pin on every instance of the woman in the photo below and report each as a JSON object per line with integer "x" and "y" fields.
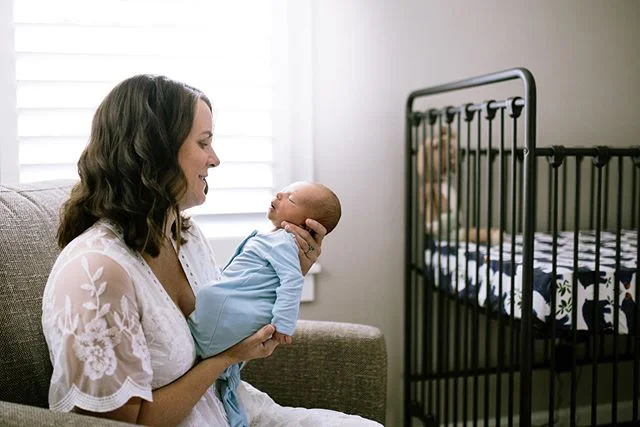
{"x": 117, "y": 298}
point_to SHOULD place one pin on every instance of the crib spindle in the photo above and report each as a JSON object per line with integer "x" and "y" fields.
{"x": 605, "y": 205}
{"x": 416, "y": 217}
{"x": 599, "y": 161}
{"x": 449, "y": 116}
{"x": 574, "y": 289}
{"x": 427, "y": 333}
{"x": 616, "y": 297}
{"x": 634, "y": 195}
{"x": 549, "y": 200}
{"x": 476, "y": 312}
{"x": 489, "y": 114}
{"x": 516, "y": 206}
{"x": 555, "y": 162}
{"x": 636, "y": 355}
{"x": 565, "y": 197}
{"x": 468, "y": 116}
{"x": 458, "y": 302}
{"x": 502, "y": 224}
{"x": 592, "y": 185}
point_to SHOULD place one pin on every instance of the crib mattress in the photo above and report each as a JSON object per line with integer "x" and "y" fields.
{"x": 476, "y": 261}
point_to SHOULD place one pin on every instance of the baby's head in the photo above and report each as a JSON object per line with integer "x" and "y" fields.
{"x": 301, "y": 200}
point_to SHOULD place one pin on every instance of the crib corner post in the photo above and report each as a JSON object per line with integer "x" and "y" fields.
{"x": 529, "y": 172}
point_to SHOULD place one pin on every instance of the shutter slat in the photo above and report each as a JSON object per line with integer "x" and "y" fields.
{"x": 39, "y": 149}
{"x": 145, "y": 13}
{"x": 146, "y": 42}
{"x": 79, "y": 68}
{"x": 88, "y": 94}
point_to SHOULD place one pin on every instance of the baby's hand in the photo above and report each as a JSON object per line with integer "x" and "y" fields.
{"x": 282, "y": 338}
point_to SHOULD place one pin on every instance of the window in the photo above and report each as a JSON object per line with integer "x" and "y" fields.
{"x": 63, "y": 57}
{"x": 58, "y": 59}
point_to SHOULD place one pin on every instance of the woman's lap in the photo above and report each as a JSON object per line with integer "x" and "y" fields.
{"x": 262, "y": 411}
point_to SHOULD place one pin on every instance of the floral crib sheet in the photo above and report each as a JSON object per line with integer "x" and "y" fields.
{"x": 476, "y": 262}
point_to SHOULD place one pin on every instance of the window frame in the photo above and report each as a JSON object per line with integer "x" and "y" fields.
{"x": 8, "y": 109}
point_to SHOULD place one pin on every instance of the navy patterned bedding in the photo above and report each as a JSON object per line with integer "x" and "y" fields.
{"x": 476, "y": 259}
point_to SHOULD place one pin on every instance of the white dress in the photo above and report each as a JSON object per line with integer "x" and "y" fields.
{"x": 117, "y": 334}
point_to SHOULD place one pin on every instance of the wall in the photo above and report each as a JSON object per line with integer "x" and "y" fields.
{"x": 369, "y": 54}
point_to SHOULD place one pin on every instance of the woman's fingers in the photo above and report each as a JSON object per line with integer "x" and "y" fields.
{"x": 309, "y": 244}
{"x": 265, "y": 333}
{"x": 318, "y": 230}
{"x": 305, "y": 239}
{"x": 256, "y": 346}
{"x": 268, "y": 347}
{"x": 302, "y": 243}
{"x": 268, "y": 344}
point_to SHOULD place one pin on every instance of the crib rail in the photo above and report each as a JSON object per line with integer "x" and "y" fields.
{"x": 465, "y": 361}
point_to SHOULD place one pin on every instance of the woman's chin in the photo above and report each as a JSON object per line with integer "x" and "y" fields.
{"x": 192, "y": 203}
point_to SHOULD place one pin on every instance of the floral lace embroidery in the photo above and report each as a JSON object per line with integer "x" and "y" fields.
{"x": 95, "y": 345}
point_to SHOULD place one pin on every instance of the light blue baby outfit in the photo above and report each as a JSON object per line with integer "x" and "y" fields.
{"x": 261, "y": 284}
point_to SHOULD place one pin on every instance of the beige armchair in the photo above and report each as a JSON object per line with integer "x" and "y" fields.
{"x": 331, "y": 365}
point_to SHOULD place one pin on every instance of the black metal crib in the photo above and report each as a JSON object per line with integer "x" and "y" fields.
{"x": 537, "y": 323}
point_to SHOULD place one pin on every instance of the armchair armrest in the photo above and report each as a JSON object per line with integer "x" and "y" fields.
{"x": 330, "y": 365}
{"x": 15, "y": 414}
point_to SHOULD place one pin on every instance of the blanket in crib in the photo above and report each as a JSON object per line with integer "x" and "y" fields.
{"x": 504, "y": 274}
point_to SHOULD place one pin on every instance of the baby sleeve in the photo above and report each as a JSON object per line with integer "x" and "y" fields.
{"x": 283, "y": 257}
{"x": 96, "y": 343}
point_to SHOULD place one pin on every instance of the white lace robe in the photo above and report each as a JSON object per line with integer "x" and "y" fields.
{"x": 116, "y": 335}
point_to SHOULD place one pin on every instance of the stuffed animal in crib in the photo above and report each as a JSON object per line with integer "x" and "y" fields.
{"x": 439, "y": 199}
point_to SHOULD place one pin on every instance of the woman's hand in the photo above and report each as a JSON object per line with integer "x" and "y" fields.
{"x": 309, "y": 246}
{"x": 256, "y": 346}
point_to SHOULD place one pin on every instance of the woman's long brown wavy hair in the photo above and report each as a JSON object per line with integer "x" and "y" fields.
{"x": 129, "y": 171}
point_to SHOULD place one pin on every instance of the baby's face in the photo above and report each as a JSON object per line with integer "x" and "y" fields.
{"x": 292, "y": 203}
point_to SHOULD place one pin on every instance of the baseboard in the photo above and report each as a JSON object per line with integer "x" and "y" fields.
{"x": 583, "y": 416}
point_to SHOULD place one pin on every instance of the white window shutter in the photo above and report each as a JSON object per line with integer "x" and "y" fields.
{"x": 70, "y": 53}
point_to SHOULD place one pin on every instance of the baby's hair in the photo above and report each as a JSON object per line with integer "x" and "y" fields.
{"x": 327, "y": 210}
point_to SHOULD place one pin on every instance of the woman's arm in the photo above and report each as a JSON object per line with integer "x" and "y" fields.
{"x": 173, "y": 402}
{"x": 309, "y": 244}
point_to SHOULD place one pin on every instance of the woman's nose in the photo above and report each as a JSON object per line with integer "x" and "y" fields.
{"x": 213, "y": 160}
{"x": 278, "y": 195}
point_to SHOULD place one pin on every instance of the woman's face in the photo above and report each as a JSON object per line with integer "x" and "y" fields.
{"x": 196, "y": 156}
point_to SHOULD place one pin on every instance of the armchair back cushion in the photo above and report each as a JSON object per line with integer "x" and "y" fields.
{"x": 29, "y": 216}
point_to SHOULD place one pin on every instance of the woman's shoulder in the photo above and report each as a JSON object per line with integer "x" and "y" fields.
{"x": 102, "y": 246}
{"x": 100, "y": 237}
{"x": 89, "y": 266}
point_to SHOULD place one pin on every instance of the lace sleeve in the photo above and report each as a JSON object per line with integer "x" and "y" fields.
{"x": 92, "y": 325}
